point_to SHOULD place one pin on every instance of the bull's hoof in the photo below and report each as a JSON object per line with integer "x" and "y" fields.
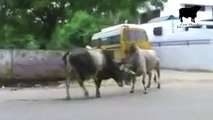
{"x": 159, "y": 86}
{"x": 145, "y": 92}
{"x": 131, "y": 91}
{"x": 86, "y": 94}
{"x": 68, "y": 98}
{"x": 148, "y": 86}
{"x": 98, "y": 96}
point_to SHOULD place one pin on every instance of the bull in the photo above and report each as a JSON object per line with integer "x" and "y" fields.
{"x": 82, "y": 64}
{"x": 141, "y": 62}
{"x": 189, "y": 12}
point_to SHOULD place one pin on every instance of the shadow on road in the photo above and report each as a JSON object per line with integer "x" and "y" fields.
{"x": 113, "y": 93}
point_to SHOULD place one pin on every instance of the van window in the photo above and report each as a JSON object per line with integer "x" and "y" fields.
{"x": 141, "y": 35}
{"x": 94, "y": 43}
{"x": 132, "y": 35}
{"x": 209, "y": 26}
{"x": 126, "y": 33}
{"x": 135, "y": 35}
{"x": 111, "y": 40}
{"x": 157, "y": 31}
{"x": 129, "y": 34}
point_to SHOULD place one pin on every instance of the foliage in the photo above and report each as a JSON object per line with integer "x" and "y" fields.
{"x": 76, "y": 32}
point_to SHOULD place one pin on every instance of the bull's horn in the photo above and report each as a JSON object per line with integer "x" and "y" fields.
{"x": 129, "y": 71}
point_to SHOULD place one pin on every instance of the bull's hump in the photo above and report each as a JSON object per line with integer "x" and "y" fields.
{"x": 78, "y": 51}
{"x": 98, "y": 58}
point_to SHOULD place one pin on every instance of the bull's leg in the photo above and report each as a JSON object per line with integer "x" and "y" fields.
{"x": 133, "y": 85}
{"x": 143, "y": 82}
{"x": 158, "y": 83}
{"x": 98, "y": 84}
{"x": 86, "y": 93}
{"x": 158, "y": 77}
{"x": 67, "y": 82}
{"x": 150, "y": 77}
{"x": 181, "y": 19}
{"x": 155, "y": 78}
{"x": 193, "y": 20}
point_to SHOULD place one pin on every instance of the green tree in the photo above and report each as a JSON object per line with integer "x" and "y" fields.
{"x": 40, "y": 19}
{"x": 76, "y": 32}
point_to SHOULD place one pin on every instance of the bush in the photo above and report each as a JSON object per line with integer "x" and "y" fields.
{"x": 24, "y": 42}
{"x": 76, "y": 32}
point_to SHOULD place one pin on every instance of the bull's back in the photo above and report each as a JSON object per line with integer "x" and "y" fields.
{"x": 82, "y": 61}
{"x": 151, "y": 59}
{"x": 98, "y": 58}
{"x": 187, "y": 12}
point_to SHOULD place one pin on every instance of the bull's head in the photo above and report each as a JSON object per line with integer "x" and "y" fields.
{"x": 121, "y": 74}
{"x": 128, "y": 74}
{"x": 196, "y": 8}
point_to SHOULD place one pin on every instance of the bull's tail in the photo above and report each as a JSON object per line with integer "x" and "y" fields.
{"x": 158, "y": 73}
{"x": 71, "y": 72}
{"x": 157, "y": 70}
{"x": 66, "y": 61}
{"x": 158, "y": 66}
{"x": 180, "y": 13}
{"x": 65, "y": 57}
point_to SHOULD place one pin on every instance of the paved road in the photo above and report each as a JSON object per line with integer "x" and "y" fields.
{"x": 185, "y": 99}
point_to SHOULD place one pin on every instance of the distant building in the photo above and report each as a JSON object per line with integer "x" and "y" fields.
{"x": 171, "y": 7}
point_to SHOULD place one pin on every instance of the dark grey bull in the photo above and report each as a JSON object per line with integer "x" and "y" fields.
{"x": 189, "y": 12}
{"x": 82, "y": 64}
{"x": 141, "y": 62}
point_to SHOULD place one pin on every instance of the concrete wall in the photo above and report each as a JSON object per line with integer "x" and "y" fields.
{"x": 30, "y": 65}
{"x": 186, "y": 57}
{"x": 5, "y": 64}
{"x": 27, "y": 65}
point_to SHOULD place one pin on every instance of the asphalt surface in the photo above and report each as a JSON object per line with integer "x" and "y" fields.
{"x": 184, "y": 96}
